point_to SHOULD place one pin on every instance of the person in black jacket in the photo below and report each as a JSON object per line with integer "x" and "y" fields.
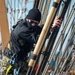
{"x": 24, "y": 35}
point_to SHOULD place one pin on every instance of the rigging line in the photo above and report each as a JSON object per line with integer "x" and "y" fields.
{"x": 66, "y": 48}
{"x": 63, "y": 39}
{"x": 40, "y": 43}
{"x": 59, "y": 63}
{"x": 61, "y": 34}
{"x": 67, "y": 58}
{"x": 61, "y": 57}
{"x": 58, "y": 41}
{"x": 43, "y": 20}
{"x": 64, "y": 65}
{"x": 66, "y": 35}
{"x": 41, "y": 4}
{"x": 48, "y": 48}
{"x": 71, "y": 65}
{"x": 66, "y": 52}
{"x": 40, "y": 69}
{"x": 64, "y": 28}
{"x": 45, "y": 12}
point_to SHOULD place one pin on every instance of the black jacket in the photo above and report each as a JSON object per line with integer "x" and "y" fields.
{"x": 24, "y": 36}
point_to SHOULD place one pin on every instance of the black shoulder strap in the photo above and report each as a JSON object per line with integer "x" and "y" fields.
{"x": 21, "y": 20}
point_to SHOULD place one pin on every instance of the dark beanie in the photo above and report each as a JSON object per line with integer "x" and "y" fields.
{"x": 34, "y": 14}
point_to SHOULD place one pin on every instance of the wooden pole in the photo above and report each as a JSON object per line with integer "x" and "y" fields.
{"x": 3, "y": 24}
{"x": 44, "y": 32}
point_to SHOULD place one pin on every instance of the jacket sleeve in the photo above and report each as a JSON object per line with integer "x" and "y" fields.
{"x": 27, "y": 35}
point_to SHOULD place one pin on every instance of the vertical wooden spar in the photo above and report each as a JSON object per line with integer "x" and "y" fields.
{"x": 44, "y": 32}
{"x": 3, "y": 24}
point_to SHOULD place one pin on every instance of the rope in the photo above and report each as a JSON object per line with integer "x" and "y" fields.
{"x": 58, "y": 41}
